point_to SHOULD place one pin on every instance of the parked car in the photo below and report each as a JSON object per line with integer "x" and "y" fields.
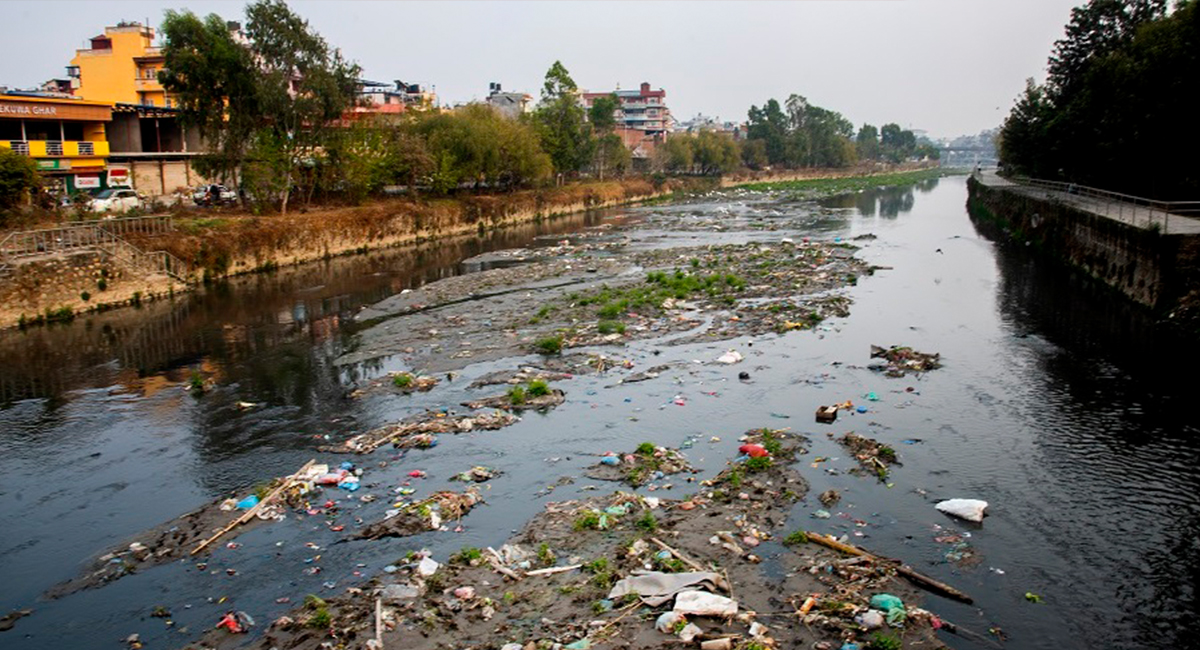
{"x": 214, "y": 195}
{"x": 115, "y": 200}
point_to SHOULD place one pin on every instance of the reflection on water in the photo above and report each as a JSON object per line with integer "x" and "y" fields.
{"x": 889, "y": 202}
{"x": 255, "y": 329}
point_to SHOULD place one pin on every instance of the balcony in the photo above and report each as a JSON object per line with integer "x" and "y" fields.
{"x": 147, "y": 85}
{"x": 57, "y": 148}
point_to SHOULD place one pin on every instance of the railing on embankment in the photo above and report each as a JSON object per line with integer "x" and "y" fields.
{"x": 104, "y": 236}
{"x": 1134, "y": 210}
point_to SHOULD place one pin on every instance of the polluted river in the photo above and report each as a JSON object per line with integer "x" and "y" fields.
{"x": 1054, "y": 402}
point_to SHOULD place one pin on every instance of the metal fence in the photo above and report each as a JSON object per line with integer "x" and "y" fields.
{"x": 103, "y": 235}
{"x": 1134, "y": 210}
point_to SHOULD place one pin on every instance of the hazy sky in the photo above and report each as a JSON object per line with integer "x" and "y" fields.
{"x": 950, "y": 67}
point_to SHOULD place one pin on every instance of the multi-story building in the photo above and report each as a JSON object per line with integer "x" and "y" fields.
{"x": 121, "y": 66}
{"x": 66, "y": 137}
{"x": 510, "y": 104}
{"x": 705, "y": 123}
{"x": 642, "y": 110}
{"x": 379, "y": 98}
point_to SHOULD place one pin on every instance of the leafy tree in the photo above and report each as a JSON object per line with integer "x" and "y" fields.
{"x": 602, "y": 114}
{"x": 897, "y": 144}
{"x": 212, "y": 77}
{"x": 714, "y": 153}
{"x": 1097, "y": 28}
{"x": 612, "y": 155}
{"x": 303, "y": 85}
{"x": 272, "y": 98}
{"x": 675, "y": 154}
{"x": 475, "y": 144}
{"x": 754, "y": 154}
{"x": 18, "y": 178}
{"x": 1110, "y": 114}
{"x": 769, "y": 124}
{"x": 867, "y": 142}
{"x": 565, "y": 134}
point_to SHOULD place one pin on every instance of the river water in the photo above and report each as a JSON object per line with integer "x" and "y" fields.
{"x": 1058, "y": 404}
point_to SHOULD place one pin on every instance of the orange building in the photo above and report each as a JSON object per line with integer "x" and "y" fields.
{"x": 121, "y": 66}
{"x": 66, "y": 137}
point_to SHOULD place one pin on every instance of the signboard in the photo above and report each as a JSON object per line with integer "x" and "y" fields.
{"x": 118, "y": 177}
{"x": 87, "y": 182}
{"x": 57, "y": 110}
{"x": 53, "y": 165}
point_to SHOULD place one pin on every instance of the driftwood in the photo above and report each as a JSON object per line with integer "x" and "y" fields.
{"x": 903, "y": 569}
{"x": 379, "y": 623}
{"x": 552, "y": 570}
{"x": 497, "y": 563}
{"x": 258, "y": 506}
{"x": 679, "y": 556}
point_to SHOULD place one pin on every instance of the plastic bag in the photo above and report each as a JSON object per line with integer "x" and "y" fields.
{"x": 969, "y": 509}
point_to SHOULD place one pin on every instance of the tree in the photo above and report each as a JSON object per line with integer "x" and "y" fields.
{"x": 565, "y": 134}
{"x": 714, "y": 153}
{"x": 602, "y": 114}
{"x": 271, "y": 98}
{"x": 1097, "y": 28}
{"x": 674, "y": 154}
{"x": 897, "y": 144}
{"x": 303, "y": 85}
{"x": 18, "y": 179}
{"x": 769, "y": 124}
{"x": 754, "y": 154}
{"x": 475, "y": 144}
{"x": 867, "y": 142}
{"x": 612, "y": 155}
{"x": 212, "y": 77}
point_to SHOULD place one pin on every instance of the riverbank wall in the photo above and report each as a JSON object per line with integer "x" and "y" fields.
{"x": 224, "y": 243}
{"x": 1161, "y": 272}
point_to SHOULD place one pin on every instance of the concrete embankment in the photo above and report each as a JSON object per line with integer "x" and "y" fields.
{"x": 1158, "y": 270}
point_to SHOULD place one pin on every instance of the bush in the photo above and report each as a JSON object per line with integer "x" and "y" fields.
{"x": 402, "y": 380}
{"x": 18, "y": 178}
{"x": 516, "y": 396}
{"x": 538, "y": 388}
{"x": 549, "y": 345}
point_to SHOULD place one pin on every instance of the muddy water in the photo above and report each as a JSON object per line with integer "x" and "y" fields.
{"x": 1055, "y": 405}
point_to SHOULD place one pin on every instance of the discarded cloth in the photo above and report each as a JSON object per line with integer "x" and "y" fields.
{"x": 656, "y": 588}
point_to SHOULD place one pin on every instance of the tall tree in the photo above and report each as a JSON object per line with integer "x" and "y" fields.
{"x": 561, "y": 121}
{"x": 1097, "y": 28}
{"x": 867, "y": 142}
{"x": 303, "y": 85}
{"x": 212, "y": 76}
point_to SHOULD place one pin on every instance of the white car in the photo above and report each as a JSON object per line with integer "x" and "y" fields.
{"x": 115, "y": 200}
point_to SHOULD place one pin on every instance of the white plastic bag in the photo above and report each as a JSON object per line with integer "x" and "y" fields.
{"x": 702, "y": 603}
{"x": 969, "y": 509}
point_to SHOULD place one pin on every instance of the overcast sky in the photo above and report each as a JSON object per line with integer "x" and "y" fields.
{"x": 950, "y": 67}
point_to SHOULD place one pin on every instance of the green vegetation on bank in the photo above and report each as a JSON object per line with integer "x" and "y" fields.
{"x": 1113, "y": 112}
{"x": 846, "y": 184}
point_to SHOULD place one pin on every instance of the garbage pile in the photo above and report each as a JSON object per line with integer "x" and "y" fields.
{"x": 427, "y": 514}
{"x": 872, "y": 456}
{"x": 648, "y": 463}
{"x": 427, "y": 423}
{"x": 900, "y": 360}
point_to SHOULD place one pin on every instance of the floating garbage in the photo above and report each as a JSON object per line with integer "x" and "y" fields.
{"x": 702, "y": 603}
{"x": 730, "y": 357}
{"x": 969, "y": 509}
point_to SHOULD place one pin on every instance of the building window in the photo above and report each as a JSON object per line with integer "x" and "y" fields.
{"x": 73, "y": 71}
{"x": 72, "y": 131}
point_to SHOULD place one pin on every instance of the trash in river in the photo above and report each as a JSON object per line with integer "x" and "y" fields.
{"x": 871, "y": 454}
{"x": 969, "y": 509}
{"x": 418, "y": 427}
{"x": 667, "y": 621}
{"x": 821, "y": 514}
{"x": 826, "y": 414}
{"x": 248, "y": 502}
{"x": 236, "y": 622}
{"x": 477, "y": 474}
{"x": 960, "y": 552}
{"x": 870, "y": 619}
{"x": 521, "y": 399}
{"x": 753, "y": 451}
{"x": 1032, "y": 597}
{"x": 829, "y": 497}
{"x": 702, "y": 603}
{"x": 646, "y": 464}
{"x": 893, "y": 606}
{"x": 730, "y": 357}
{"x": 655, "y": 588}
{"x": 427, "y": 514}
{"x": 901, "y": 360}
{"x": 744, "y": 376}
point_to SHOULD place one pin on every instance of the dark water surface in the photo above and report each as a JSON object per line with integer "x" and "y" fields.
{"x": 1061, "y": 406}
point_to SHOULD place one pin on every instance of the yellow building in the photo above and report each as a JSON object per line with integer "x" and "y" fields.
{"x": 121, "y": 66}
{"x": 67, "y": 137}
